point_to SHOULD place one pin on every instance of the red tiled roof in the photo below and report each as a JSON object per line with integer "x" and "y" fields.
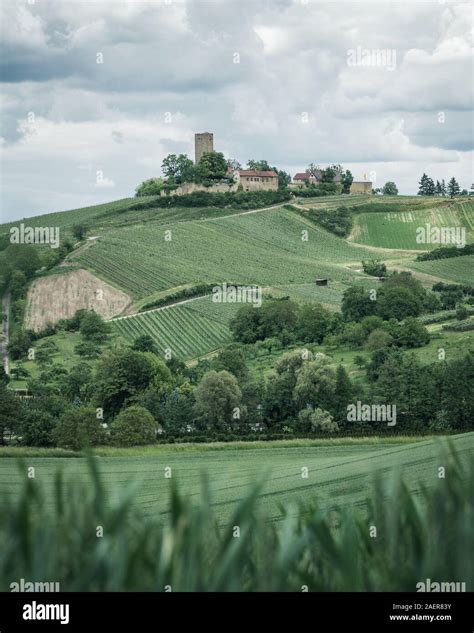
{"x": 317, "y": 175}
{"x": 258, "y": 174}
{"x": 302, "y": 175}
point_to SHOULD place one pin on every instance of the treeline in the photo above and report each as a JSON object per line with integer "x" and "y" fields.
{"x": 233, "y": 199}
{"x": 453, "y": 296}
{"x": 445, "y": 252}
{"x": 427, "y": 187}
{"x": 338, "y": 221}
{"x": 92, "y": 327}
{"x": 179, "y": 295}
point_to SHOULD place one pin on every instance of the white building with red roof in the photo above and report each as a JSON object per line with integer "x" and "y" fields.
{"x": 256, "y": 180}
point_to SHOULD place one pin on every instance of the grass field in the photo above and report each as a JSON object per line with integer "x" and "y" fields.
{"x": 397, "y": 229}
{"x": 340, "y": 473}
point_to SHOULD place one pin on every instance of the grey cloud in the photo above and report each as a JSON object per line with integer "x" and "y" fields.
{"x": 178, "y": 58}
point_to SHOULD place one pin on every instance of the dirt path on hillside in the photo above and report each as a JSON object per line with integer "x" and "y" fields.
{"x": 170, "y": 305}
{"x": 380, "y": 249}
{"x": 237, "y": 215}
{"x": 70, "y": 262}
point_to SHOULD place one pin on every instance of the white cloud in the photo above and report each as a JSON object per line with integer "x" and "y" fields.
{"x": 292, "y": 99}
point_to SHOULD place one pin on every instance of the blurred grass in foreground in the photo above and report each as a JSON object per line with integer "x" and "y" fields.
{"x": 425, "y": 535}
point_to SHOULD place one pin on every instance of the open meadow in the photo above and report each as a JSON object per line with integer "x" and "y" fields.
{"x": 339, "y": 472}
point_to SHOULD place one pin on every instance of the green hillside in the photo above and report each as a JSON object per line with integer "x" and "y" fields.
{"x": 263, "y": 247}
{"x": 152, "y": 252}
{"x": 397, "y": 229}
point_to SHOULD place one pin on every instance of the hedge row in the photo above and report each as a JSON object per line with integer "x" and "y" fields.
{"x": 265, "y": 436}
{"x": 236, "y": 200}
{"x": 461, "y": 326}
{"x": 445, "y": 252}
{"x": 439, "y": 317}
{"x": 185, "y": 293}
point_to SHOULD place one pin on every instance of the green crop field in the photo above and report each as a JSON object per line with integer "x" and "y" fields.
{"x": 456, "y": 269}
{"x": 397, "y": 229}
{"x": 189, "y": 330}
{"x": 339, "y": 473}
{"x": 265, "y": 248}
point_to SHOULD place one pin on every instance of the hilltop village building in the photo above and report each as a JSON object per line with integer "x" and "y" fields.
{"x": 203, "y": 142}
{"x": 315, "y": 177}
{"x": 252, "y": 179}
{"x": 361, "y": 186}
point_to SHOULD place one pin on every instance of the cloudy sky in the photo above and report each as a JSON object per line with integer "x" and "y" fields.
{"x": 95, "y": 94}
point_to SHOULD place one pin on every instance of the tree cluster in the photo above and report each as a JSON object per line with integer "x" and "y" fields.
{"x": 427, "y": 187}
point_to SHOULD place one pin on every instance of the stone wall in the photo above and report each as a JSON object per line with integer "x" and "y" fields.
{"x": 192, "y": 187}
{"x": 258, "y": 184}
{"x": 361, "y": 187}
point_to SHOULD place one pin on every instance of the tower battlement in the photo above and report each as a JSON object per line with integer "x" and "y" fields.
{"x": 203, "y": 142}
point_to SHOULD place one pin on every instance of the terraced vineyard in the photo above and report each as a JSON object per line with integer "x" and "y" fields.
{"x": 189, "y": 329}
{"x": 456, "y": 269}
{"x": 339, "y": 474}
{"x": 398, "y": 229}
{"x": 264, "y": 248}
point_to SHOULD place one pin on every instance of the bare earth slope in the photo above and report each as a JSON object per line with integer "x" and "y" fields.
{"x": 59, "y": 296}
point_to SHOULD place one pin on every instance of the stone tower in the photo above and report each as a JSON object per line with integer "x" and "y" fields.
{"x": 203, "y": 142}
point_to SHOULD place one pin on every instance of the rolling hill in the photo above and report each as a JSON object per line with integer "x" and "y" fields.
{"x": 139, "y": 253}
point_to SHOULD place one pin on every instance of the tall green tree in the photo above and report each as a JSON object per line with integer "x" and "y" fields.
{"x": 10, "y": 412}
{"x": 357, "y": 304}
{"x": 121, "y": 374}
{"x": 346, "y": 181}
{"x": 79, "y": 428}
{"x": 150, "y": 187}
{"x": 232, "y": 359}
{"x": 259, "y": 165}
{"x": 453, "y": 188}
{"x": 212, "y": 168}
{"x": 390, "y": 189}
{"x": 219, "y": 401}
{"x": 79, "y": 231}
{"x": 93, "y": 327}
{"x": 426, "y": 186}
{"x": 313, "y": 323}
{"x": 234, "y": 164}
{"x": 398, "y": 303}
{"x": 178, "y": 169}
{"x": 343, "y": 395}
{"x": 134, "y": 426}
{"x": 315, "y": 384}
